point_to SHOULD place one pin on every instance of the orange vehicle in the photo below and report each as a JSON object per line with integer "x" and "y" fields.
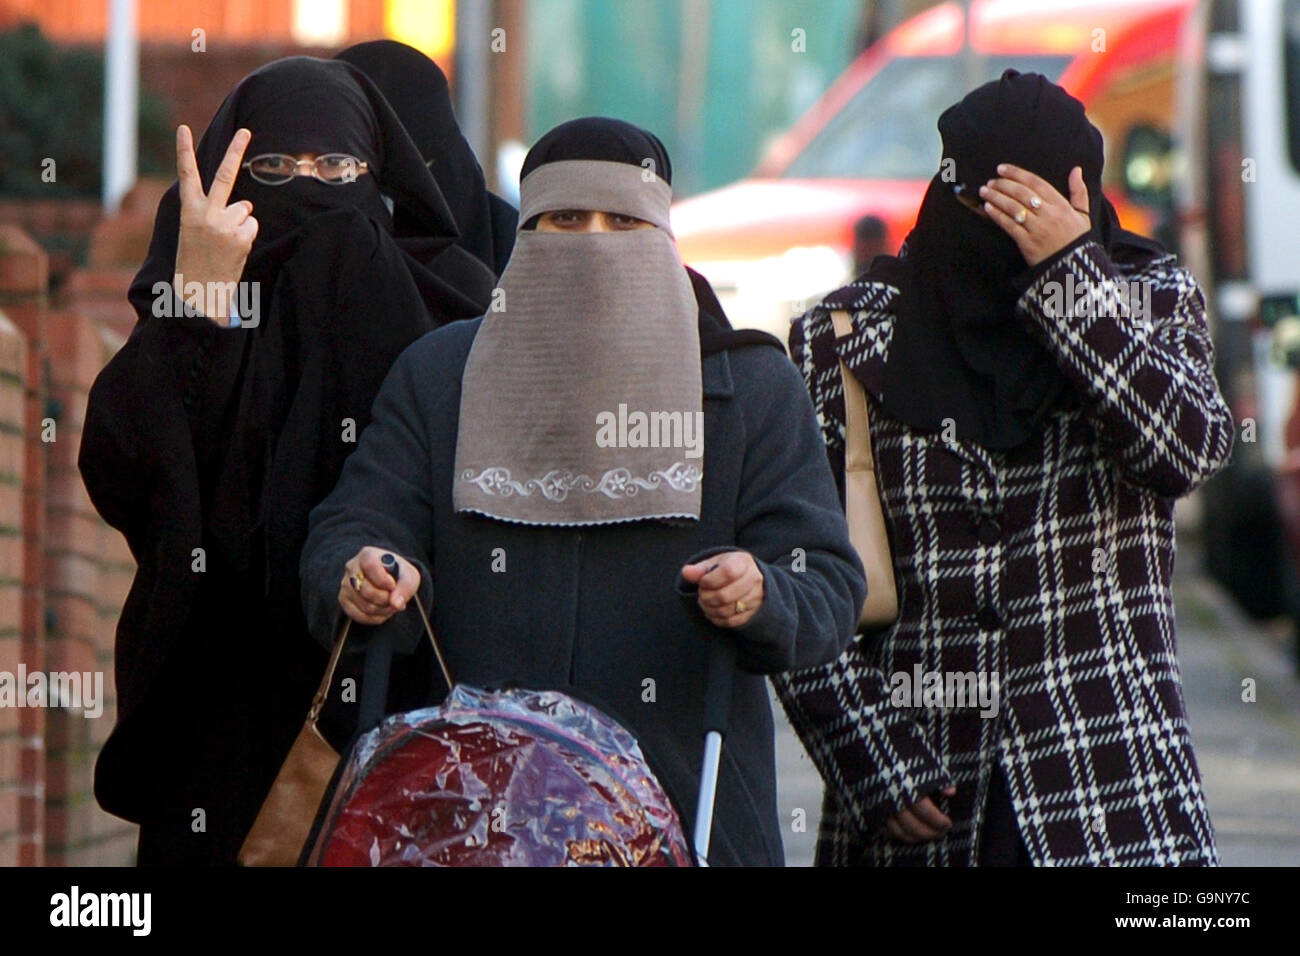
{"x": 775, "y": 242}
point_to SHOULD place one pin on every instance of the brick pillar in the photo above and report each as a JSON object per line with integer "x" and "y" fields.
{"x": 89, "y": 560}
{"x": 24, "y": 281}
{"x": 59, "y": 609}
{"x": 13, "y": 460}
{"x": 80, "y": 637}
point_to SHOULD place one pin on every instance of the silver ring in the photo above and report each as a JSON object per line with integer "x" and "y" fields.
{"x": 1035, "y": 202}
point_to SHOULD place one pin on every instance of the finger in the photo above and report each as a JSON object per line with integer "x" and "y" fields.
{"x": 1008, "y": 204}
{"x": 1079, "y": 191}
{"x": 357, "y": 613}
{"x": 368, "y": 596}
{"x": 748, "y": 592}
{"x": 692, "y": 573}
{"x": 187, "y": 169}
{"x": 897, "y": 832}
{"x": 1021, "y": 194}
{"x": 733, "y": 592}
{"x": 914, "y": 827}
{"x": 930, "y": 815}
{"x": 733, "y": 618}
{"x": 247, "y": 230}
{"x": 239, "y": 211}
{"x": 1031, "y": 180}
{"x": 728, "y": 567}
{"x": 224, "y": 180}
{"x": 374, "y": 620}
{"x": 401, "y": 595}
{"x": 372, "y": 564}
{"x": 1012, "y": 228}
{"x": 949, "y": 791}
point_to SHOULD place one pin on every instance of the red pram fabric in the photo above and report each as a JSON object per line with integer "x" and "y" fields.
{"x": 500, "y": 778}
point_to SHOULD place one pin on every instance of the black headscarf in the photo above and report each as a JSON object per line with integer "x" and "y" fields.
{"x": 958, "y": 350}
{"x": 416, "y": 88}
{"x": 341, "y": 297}
{"x": 617, "y": 141}
{"x": 303, "y": 104}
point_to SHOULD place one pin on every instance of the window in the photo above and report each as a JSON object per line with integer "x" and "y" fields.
{"x": 887, "y": 130}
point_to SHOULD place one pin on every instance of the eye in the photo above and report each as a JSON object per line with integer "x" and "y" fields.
{"x": 568, "y": 217}
{"x": 338, "y": 165}
{"x": 273, "y": 163}
{"x": 619, "y": 221}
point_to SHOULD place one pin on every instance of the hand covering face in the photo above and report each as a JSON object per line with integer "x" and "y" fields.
{"x": 957, "y": 331}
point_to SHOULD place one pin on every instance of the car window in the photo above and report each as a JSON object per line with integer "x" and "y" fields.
{"x": 887, "y": 131}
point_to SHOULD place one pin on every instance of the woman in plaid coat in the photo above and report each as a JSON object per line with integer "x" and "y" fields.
{"x": 1041, "y": 391}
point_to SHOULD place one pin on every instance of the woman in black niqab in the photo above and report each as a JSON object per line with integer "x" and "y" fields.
{"x": 957, "y": 330}
{"x": 207, "y": 446}
{"x": 416, "y": 88}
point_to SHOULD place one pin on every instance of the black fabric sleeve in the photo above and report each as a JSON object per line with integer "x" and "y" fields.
{"x": 382, "y": 499}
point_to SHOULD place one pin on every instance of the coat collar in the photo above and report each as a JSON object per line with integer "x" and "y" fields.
{"x": 715, "y": 376}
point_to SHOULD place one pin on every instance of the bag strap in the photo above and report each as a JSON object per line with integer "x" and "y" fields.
{"x": 857, "y": 423}
{"x": 322, "y": 692}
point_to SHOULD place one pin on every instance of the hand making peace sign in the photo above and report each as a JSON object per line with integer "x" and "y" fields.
{"x": 215, "y": 239}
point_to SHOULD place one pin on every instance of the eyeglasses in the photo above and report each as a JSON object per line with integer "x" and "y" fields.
{"x": 276, "y": 169}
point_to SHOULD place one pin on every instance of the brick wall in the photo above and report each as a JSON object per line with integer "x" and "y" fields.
{"x": 63, "y": 573}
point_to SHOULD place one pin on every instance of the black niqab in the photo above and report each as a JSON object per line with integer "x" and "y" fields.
{"x": 957, "y": 331}
{"x": 202, "y": 437}
{"x": 416, "y": 88}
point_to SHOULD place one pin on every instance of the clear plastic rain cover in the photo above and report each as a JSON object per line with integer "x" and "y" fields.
{"x": 500, "y": 778}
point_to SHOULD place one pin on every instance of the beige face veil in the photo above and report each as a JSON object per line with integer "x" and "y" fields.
{"x": 581, "y": 402}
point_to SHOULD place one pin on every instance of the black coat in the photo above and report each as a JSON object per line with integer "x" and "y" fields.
{"x": 214, "y": 665}
{"x": 602, "y": 609}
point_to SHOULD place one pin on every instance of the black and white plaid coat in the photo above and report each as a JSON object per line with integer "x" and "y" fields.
{"x": 1047, "y": 567}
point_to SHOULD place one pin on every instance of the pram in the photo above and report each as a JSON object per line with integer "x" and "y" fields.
{"x": 507, "y": 777}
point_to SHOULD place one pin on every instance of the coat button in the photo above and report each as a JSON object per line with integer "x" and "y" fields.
{"x": 988, "y": 619}
{"x": 989, "y": 532}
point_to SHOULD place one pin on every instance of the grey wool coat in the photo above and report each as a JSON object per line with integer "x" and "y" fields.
{"x": 602, "y": 609}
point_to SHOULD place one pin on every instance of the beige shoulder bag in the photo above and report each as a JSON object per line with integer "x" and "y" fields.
{"x": 862, "y": 507}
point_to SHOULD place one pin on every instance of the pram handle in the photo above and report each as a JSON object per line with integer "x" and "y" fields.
{"x": 721, "y": 669}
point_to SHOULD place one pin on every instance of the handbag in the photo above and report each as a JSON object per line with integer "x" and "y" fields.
{"x": 866, "y": 518}
{"x": 287, "y": 813}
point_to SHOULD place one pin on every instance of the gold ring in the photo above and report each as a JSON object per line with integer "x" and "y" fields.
{"x": 1022, "y": 216}
{"x": 356, "y": 580}
{"x": 740, "y": 607}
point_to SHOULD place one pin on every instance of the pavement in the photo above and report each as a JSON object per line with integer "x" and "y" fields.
{"x": 1249, "y": 752}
